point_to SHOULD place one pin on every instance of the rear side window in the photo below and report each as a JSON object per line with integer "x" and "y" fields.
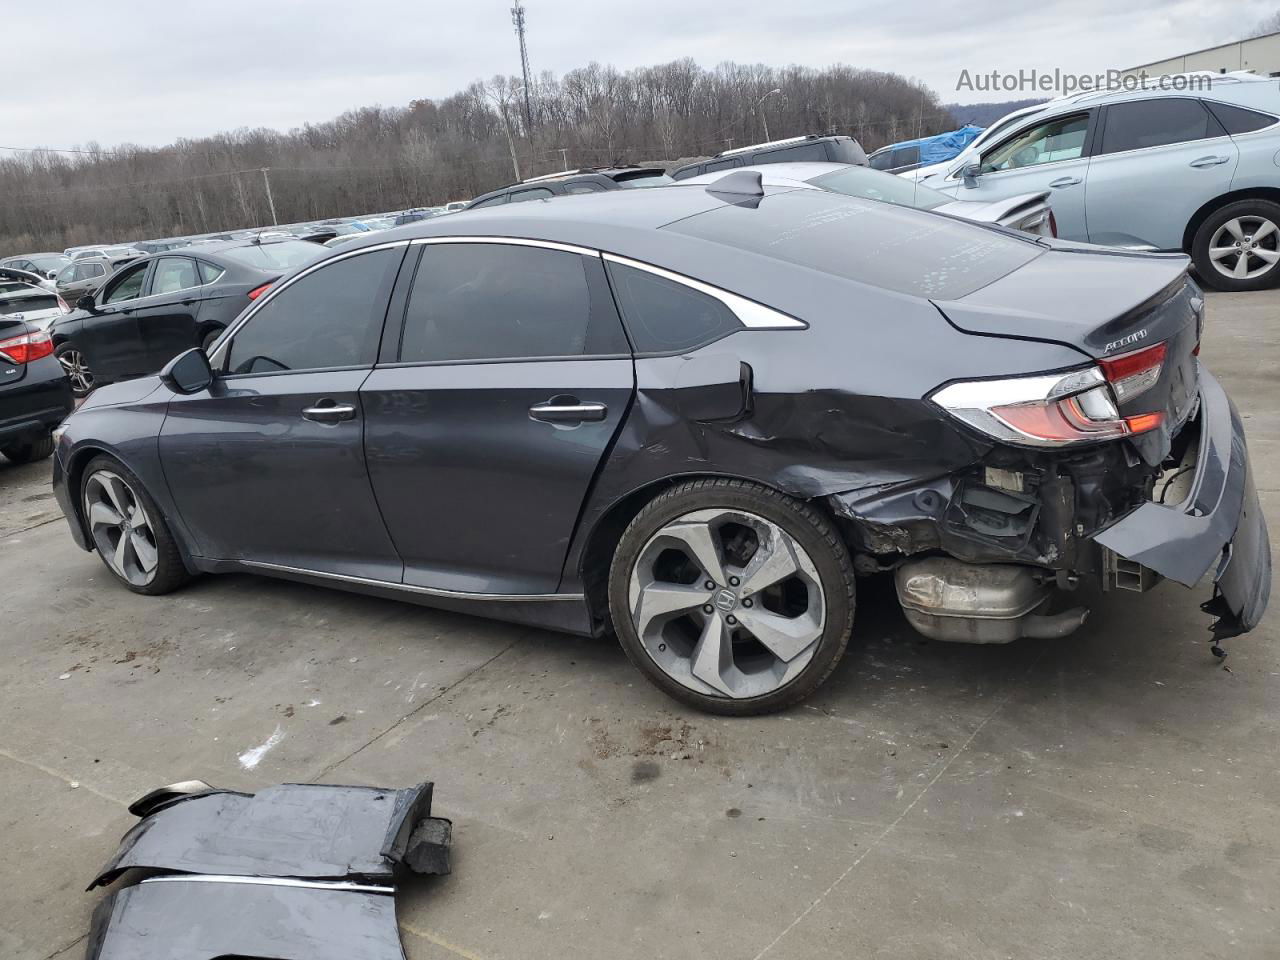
{"x": 663, "y": 316}
{"x": 804, "y": 151}
{"x": 583, "y": 186}
{"x": 329, "y": 318}
{"x": 714, "y": 165}
{"x": 1237, "y": 119}
{"x": 208, "y": 272}
{"x": 491, "y": 202}
{"x": 1156, "y": 123}
{"x": 537, "y": 193}
{"x": 488, "y": 301}
{"x": 174, "y": 274}
{"x": 881, "y": 161}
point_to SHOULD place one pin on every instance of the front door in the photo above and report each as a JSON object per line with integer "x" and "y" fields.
{"x": 1048, "y": 155}
{"x": 268, "y": 464}
{"x": 108, "y": 337}
{"x": 484, "y": 432}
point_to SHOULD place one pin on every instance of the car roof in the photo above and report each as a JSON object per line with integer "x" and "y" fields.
{"x": 797, "y": 171}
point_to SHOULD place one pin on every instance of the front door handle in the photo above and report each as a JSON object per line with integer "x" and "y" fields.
{"x": 1064, "y": 182}
{"x": 1208, "y": 162}
{"x": 327, "y": 411}
{"x": 568, "y": 410}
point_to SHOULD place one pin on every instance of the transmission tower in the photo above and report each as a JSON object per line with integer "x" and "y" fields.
{"x": 517, "y": 19}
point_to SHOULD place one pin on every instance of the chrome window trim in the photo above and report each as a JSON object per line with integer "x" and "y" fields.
{"x": 510, "y": 242}
{"x": 413, "y": 588}
{"x": 752, "y": 315}
{"x": 344, "y": 885}
{"x": 220, "y": 355}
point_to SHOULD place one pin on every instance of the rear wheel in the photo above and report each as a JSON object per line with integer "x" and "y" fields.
{"x": 732, "y": 597}
{"x": 128, "y": 531}
{"x": 77, "y": 369}
{"x": 1238, "y": 247}
{"x": 30, "y": 450}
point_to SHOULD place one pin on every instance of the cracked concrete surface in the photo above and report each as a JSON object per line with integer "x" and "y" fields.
{"x": 1112, "y": 794}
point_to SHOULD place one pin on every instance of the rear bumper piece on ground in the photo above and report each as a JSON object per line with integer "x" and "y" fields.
{"x": 291, "y": 830}
{"x": 1220, "y": 523}
{"x": 195, "y": 918}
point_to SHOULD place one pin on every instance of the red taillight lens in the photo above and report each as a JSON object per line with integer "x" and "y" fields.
{"x": 63, "y": 305}
{"x": 256, "y": 292}
{"x": 28, "y": 347}
{"x": 1133, "y": 373}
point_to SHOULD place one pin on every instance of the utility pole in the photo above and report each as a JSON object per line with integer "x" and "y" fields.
{"x": 760, "y": 110}
{"x": 564, "y": 157}
{"x": 728, "y": 143}
{"x": 270, "y": 201}
{"x": 517, "y": 20}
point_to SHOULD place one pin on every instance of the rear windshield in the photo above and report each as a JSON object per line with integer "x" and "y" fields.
{"x": 275, "y": 256}
{"x": 27, "y": 304}
{"x": 649, "y": 178}
{"x": 885, "y": 187}
{"x": 908, "y": 251}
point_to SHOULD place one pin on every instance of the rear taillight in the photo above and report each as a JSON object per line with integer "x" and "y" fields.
{"x": 256, "y": 292}
{"x": 63, "y": 305}
{"x": 28, "y": 347}
{"x": 1059, "y": 409}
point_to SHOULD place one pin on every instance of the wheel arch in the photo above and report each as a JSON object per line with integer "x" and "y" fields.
{"x": 602, "y": 540}
{"x": 1208, "y": 209}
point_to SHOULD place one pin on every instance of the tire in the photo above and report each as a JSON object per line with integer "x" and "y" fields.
{"x": 693, "y": 621}
{"x": 30, "y": 451}
{"x": 77, "y": 369}
{"x": 1235, "y": 227}
{"x": 101, "y": 486}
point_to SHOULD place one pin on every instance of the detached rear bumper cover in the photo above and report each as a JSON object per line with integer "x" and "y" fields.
{"x": 1219, "y": 525}
{"x": 291, "y": 830}
{"x": 195, "y": 918}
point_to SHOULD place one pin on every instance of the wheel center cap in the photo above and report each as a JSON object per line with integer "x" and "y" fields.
{"x": 726, "y": 600}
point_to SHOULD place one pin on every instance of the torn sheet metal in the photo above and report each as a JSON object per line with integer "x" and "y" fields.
{"x": 291, "y": 830}
{"x": 202, "y": 917}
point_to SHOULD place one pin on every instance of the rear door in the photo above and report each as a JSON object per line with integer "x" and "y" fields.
{"x": 167, "y": 318}
{"x": 1048, "y": 155}
{"x": 486, "y": 426}
{"x": 1156, "y": 162}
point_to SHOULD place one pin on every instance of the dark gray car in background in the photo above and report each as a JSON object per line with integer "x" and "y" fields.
{"x": 693, "y": 417}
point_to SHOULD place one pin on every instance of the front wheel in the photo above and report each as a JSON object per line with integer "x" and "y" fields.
{"x": 732, "y": 597}
{"x": 128, "y": 531}
{"x": 1238, "y": 247}
{"x": 76, "y": 368}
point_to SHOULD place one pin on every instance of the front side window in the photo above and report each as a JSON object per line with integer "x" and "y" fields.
{"x": 804, "y": 151}
{"x": 331, "y": 317}
{"x": 68, "y": 273}
{"x": 174, "y": 274}
{"x": 583, "y": 186}
{"x": 1048, "y": 142}
{"x": 664, "y": 316}
{"x": 128, "y": 287}
{"x": 485, "y": 301}
{"x": 1155, "y": 123}
{"x": 538, "y": 193}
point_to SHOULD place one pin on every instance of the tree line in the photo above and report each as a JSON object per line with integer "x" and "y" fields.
{"x": 434, "y": 151}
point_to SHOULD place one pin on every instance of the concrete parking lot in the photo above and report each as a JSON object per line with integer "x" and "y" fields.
{"x": 1114, "y": 794}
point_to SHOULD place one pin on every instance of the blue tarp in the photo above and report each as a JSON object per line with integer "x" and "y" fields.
{"x": 943, "y": 146}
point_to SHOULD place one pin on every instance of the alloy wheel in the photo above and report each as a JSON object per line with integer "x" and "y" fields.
{"x": 1244, "y": 248}
{"x": 727, "y": 603}
{"x": 120, "y": 527}
{"x": 77, "y": 369}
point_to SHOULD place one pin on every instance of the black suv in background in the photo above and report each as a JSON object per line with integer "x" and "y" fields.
{"x": 588, "y": 180}
{"x": 830, "y": 149}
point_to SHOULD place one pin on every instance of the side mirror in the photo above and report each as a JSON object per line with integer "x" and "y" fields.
{"x": 188, "y": 372}
{"x": 971, "y": 172}
{"x": 86, "y": 303}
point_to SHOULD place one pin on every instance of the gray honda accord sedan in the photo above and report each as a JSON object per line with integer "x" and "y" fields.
{"x": 694, "y": 417}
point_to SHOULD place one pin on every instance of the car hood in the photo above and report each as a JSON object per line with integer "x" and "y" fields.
{"x": 1090, "y": 299}
{"x": 994, "y": 211}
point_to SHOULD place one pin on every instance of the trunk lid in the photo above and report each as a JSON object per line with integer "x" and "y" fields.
{"x": 1104, "y": 304}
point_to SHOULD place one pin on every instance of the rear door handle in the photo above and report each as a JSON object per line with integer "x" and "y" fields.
{"x": 326, "y": 411}
{"x": 1209, "y": 161}
{"x": 1064, "y": 182}
{"x": 568, "y": 410}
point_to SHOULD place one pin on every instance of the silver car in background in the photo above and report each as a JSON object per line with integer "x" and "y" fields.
{"x": 1179, "y": 166}
{"x": 1027, "y": 212}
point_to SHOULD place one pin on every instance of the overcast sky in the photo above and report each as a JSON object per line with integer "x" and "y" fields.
{"x": 151, "y": 71}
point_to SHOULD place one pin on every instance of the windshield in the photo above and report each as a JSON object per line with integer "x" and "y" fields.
{"x": 275, "y": 256}
{"x": 885, "y": 187}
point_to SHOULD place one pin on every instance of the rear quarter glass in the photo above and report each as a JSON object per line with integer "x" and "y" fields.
{"x": 906, "y": 251}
